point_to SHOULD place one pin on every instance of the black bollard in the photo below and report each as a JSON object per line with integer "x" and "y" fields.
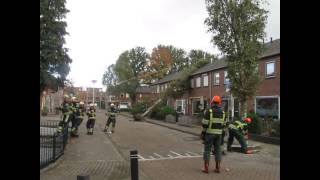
{"x": 134, "y": 165}
{"x": 81, "y": 177}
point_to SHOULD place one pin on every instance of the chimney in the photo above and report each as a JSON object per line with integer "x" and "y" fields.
{"x": 271, "y": 39}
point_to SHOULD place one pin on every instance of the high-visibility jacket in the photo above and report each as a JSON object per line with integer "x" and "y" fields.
{"x": 91, "y": 115}
{"x": 79, "y": 113}
{"x": 238, "y": 125}
{"x": 111, "y": 113}
{"x": 214, "y": 124}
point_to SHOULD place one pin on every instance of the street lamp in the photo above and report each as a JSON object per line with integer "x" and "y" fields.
{"x": 93, "y": 81}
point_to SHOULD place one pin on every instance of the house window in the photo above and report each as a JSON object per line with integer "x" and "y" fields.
{"x": 270, "y": 69}
{"x": 216, "y": 79}
{"x": 198, "y": 80}
{"x": 127, "y": 95}
{"x": 181, "y": 106}
{"x": 226, "y": 80}
{"x": 140, "y": 95}
{"x": 197, "y": 107}
{"x": 191, "y": 82}
{"x": 205, "y": 80}
{"x": 165, "y": 86}
{"x": 268, "y": 107}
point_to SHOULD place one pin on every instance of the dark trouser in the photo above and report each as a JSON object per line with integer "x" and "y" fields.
{"x": 111, "y": 120}
{"x": 215, "y": 140}
{"x": 90, "y": 123}
{"x": 233, "y": 133}
{"x": 75, "y": 125}
{"x": 64, "y": 123}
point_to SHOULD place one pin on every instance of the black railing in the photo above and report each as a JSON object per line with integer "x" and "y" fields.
{"x": 52, "y": 143}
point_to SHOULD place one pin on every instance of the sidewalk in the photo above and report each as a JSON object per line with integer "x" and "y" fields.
{"x": 93, "y": 155}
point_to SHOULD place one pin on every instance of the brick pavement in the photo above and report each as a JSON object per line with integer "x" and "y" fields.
{"x": 93, "y": 155}
{"x": 150, "y": 139}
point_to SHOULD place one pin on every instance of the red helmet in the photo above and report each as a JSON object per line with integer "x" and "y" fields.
{"x": 248, "y": 120}
{"x": 216, "y": 99}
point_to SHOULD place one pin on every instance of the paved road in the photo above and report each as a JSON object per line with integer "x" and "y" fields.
{"x": 170, "y": 154}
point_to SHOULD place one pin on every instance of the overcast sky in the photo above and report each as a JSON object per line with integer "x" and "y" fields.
{"x": 100, "y": 30}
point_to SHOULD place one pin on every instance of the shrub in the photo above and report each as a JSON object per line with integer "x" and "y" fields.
{"x": 256, "y": 124}
{"x": 275, "y": 128}
{"x": 137, "y": 108}
{"x": 160, "y": 111}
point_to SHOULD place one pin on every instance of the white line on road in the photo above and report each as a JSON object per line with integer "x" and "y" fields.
{"x": 140, "y": 157}
{"x": 158, "y": 155}
{"x": 175, "y": 153}
{"x": 193, "y": 153}
{"x": 170, "y": 158}
{"x": 151, "y": 157}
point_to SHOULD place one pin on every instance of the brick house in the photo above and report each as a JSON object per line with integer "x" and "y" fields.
{"x": 211, "y": 80}
{"x": 144, "y": 93}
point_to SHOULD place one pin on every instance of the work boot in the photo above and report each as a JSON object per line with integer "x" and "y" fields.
{"x": 217, "y": 170}
{"x": 112, "y": 131}
{"x": 205, "y": 168}
{"x": 105, "y": 130}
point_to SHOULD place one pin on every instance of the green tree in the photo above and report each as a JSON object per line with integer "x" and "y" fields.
{"x": 128, "y": 70}
{"x": 196, "y": 55}
{"x": 54, "y": 60}
{"x": 238, "y": 29}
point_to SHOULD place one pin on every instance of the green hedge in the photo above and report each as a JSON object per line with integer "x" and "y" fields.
{"x": 137, "y": 108}
{"x": 160, "y": 111}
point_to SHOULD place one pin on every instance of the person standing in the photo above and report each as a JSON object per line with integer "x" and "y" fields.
{"x": 212, "y": 124}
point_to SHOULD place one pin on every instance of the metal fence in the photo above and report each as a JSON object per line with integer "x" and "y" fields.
{"x": 52, "y": 144}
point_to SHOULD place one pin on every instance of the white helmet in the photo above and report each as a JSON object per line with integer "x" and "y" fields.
{"x": 73, "y": 98}
{"x": 95, "y": 104}
{"x": 66, "y": 96}
{"x": 81, "y": 103}
{"x": 91, "y": 105}
{"x": 111, "y": 104}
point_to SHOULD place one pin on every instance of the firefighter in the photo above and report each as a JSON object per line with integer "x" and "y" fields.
{"x": 74, "y": 107}
{"x": 238, "y": 130}
{"x": 79, "y": 114}
{"x": 111, "y": 118}
{"x": 66, "y": 114}
{"x": 212, "y": 124}
{"x": 91, "y": 119}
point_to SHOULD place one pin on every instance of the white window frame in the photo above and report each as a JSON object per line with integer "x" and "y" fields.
{"x": 274, "y": 69}
{"x": 192, "y": 82}
{"x": 183, "y": 104}
{"x": 214, "y": 78}
{"x": 158, "y": 88}
{"x": 264, "y": 97}
{"x": 198, "y": 79}
{"x": 225, "y": 77}
{"x": 205, "y": 82}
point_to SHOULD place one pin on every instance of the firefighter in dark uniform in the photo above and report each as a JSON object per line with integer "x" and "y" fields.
{"x": 91, "y": 119}
{"x": 79, "y": 114}
{"x": 238, "y": 129}
{"x": 74, "y": 106}
{"x": 111, "y": 119}
{"x": 212, "y": 124}
{"x": 66, "y": 111}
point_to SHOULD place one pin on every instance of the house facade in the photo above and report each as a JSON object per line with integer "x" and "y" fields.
{"x": 212, "y": 80}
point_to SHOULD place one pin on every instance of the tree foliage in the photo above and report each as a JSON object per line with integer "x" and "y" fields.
{"x": 237, "y": 27}
{"x": 124, "y": 76}
{"x": 54, "y": 60}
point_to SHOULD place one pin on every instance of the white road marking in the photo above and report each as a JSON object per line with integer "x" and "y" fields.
{"x": 193, "y": 153}
{"x": 151, "y": 157}
{"x": 176, "y": 153}
{"x": 140, "y": 157}
{"x": 158, "y": 155}
{"x": 168, "y": 158}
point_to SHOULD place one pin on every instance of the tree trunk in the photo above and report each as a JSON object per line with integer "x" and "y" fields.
{"x": 243, "y": 109}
